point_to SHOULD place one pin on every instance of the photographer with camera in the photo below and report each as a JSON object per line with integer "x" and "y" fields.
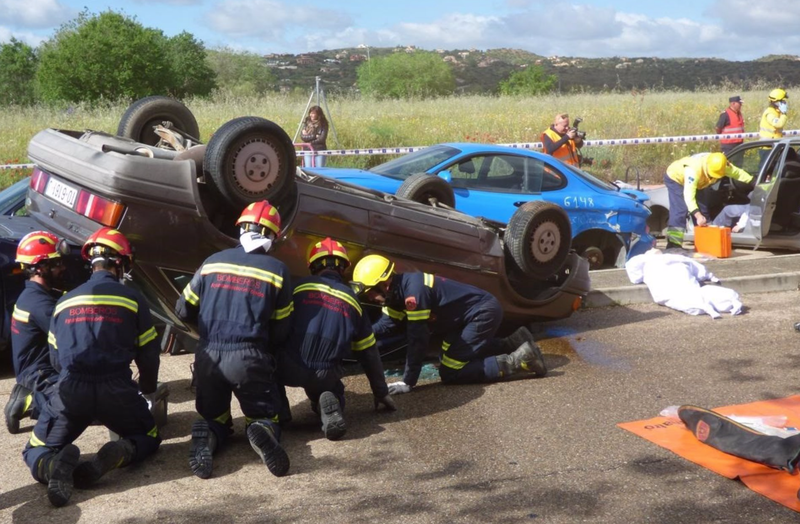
{"x": 562, "y": 141}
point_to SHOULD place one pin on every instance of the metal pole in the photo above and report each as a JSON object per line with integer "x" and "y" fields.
{"x": 303, "y": 117}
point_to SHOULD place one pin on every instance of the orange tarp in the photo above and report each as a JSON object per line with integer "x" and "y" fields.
{"x": 772, "y": 483}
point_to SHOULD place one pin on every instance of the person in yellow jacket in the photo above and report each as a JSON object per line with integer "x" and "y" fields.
{"x": 684, "y": 178}
{"x": 562, "y": 141}
{"x": 773, "y": 119}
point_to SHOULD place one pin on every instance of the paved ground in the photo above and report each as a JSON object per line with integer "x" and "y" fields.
{"x": 535, "y": 450}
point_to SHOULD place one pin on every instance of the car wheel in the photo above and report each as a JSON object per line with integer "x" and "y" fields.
{"x": 657, "y": 221}
{"x": 141, "y": 116}
{"x": 538, "y": 238}
{"x": 594, "y": 255}
{"x": 250, "y": 159}
{"x": 427, "y": 189}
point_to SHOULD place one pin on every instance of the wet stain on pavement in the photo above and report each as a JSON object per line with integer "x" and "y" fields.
{"x": 567, "y": 342}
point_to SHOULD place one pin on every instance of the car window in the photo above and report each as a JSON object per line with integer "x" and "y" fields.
{"x": 179, "y": 279}
{"x": 417, "y": 162}
{"x": 505, "y": 173}
{"x": 751, "y": 160}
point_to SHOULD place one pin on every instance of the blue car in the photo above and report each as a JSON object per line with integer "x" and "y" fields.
{"x": 609, "y": 224}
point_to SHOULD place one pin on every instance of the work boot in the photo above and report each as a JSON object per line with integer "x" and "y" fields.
{"x": 517, "y": 338}
{"x": 265, "y": 443}
{"x": 18, "y": 407}
{"x": 528, "y": 357}
{"x": 58, "y": 473}
{"x": 201, "y": 452}
{"x": 331, "y": 415}
{"x": 112, "y": 455}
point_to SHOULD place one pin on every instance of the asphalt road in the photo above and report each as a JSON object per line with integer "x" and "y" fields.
{"x": 533, "y": 450}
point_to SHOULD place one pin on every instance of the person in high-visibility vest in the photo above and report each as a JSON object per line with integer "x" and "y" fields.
{"x": 773, "y": 119}
{"x": 684, "y": 178}
{"x": 731, "y": 122}
{"x": 562, "y": 141}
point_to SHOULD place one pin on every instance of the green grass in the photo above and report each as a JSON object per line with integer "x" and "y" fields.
{"x": 361, "y": 124}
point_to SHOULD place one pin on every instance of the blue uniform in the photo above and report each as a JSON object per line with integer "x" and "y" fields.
{"x": 30, "y": 323}
{"x": 328, "y": 325}
{"x": 97, "y": 330}
{"x": 241, "y": 303}
{"x": 466, "y": 317}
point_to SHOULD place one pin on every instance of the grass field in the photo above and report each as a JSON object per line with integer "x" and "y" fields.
{"x": 362, "y": 124}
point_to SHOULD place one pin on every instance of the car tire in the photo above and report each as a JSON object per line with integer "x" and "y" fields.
{"x": 595, "y": 256}
{"x": 427, "y": 189}
{"x": 538, "y": 238}
{"x": 141, "y": 116}
{"x": 250, "y": 159}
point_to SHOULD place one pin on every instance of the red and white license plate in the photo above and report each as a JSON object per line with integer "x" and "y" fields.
{"x": 61, "y": 192}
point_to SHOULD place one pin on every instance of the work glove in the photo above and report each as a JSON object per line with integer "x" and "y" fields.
{"x": 387, "y": 401}
{"x": 395, "y": 388}
{"x": 783, "y": 106}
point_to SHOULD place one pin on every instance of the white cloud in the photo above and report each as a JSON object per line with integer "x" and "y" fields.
{"x": 765, "y": 19}
{"x": 29, "y": 38}
{"x": 271, "y": 20}
{"x": 34, "y": 13}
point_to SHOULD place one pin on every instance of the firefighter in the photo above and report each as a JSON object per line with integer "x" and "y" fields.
{"x": 241, "y": 301}
{"x": 39, "y": 254}
{"x": 97, "y": 330}
{"x": 773, "y": 120}
{"x": 327, "y": 325}
{"x": 466, "y": 316}
{"x": 684, "y": 178}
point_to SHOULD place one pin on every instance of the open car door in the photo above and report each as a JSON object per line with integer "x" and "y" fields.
{"x": 765, "y": 194}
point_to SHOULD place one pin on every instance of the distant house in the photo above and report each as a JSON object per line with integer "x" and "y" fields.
{"x": 358, "y": 58}
{"x": 450, "y": 58}
{"x": 304, "y": 60}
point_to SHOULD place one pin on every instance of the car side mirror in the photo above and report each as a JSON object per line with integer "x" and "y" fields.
{"x": 446, "y": 175}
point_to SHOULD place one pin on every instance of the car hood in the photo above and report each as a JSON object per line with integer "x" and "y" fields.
{"x": 639, "y": 196}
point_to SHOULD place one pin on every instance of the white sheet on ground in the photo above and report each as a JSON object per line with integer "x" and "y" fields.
{"x": 675, "y": 281}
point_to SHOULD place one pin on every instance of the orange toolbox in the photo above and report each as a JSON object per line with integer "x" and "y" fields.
{"x": 713, "y": 240}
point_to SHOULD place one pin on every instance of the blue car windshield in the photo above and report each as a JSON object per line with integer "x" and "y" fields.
{"x": 591, "y": 178}
{"x": 417, "y": 162}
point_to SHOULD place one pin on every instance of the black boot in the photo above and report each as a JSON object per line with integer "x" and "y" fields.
{"x": 528, "y": 357}
{"x": 265, "y": 443}
{"x": 57, "y": 472}
{"x": 112, "y": 455}
{"x": 18, "y": 407}
{"x": 201, "y": 452}
{"x": 517, "y": 338}
{"x": 331, "y": 415}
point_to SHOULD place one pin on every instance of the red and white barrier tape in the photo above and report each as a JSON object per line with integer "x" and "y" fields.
{"x": 521, "y": 145}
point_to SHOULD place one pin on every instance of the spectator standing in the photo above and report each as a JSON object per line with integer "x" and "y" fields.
{"x": 731, "y": 122}
{"x": 315, "y": 134}
{"x": 561, "y": 141}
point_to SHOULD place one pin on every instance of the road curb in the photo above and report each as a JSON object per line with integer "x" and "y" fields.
{"x": 640, "y": 294}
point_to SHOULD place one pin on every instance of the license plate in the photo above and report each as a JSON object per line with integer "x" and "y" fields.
{"x": 61, "y": 192}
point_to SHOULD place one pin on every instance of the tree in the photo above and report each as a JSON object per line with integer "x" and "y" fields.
{"x": 406, "y": 75}
{"x": 106, "y": 56}
{"x": 530, "y": 81}
{"x": 191, "y": 71}
{"x": 241, "y": 73}
{"x": 17, "y": 71}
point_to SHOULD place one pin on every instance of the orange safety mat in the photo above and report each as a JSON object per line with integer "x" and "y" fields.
{"x": 772, "y": 483}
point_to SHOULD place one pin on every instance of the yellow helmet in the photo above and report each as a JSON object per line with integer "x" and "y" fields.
{"x": 716, "y": 164}
{"x": 776, "y": 95}
{"x": 372, "y": 269}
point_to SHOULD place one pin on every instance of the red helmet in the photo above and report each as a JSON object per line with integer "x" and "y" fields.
{"x": 38, "y": 246}
{"x": 262, "y": 214}
{"x": 107, "y": 242}
{"x": 328, "y": 253}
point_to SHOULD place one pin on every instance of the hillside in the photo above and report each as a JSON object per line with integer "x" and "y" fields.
{"x": 479, "y": 72}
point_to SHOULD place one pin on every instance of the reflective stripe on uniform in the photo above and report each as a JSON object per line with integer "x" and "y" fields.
{"x": 361, "y": 345}
{"x": 328, "y": 290}
{"x": 452, "y": 363}
{"x": 427, "y": 279}
{"x": 98, "y": 300}
{"x": 147, "y": 336}
{"x": 21, "y": 315}
{"x": 280, "y": 314}
{"x": 422, "y": 314}
{"x": 190, "y": 296}
{"x": 34, "y": 441}
{"x": 152, "y": 433}
{"x": 51, "y": 339}
{"x": 393, "y": 313}
{"x": 243, "y": 271}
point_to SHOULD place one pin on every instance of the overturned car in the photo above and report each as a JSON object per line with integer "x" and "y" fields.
{"x": 178, "y": 205}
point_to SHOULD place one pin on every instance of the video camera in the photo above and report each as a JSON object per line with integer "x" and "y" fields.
{"x": 575, "y": 124}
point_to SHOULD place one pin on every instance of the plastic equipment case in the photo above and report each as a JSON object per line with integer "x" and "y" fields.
{"x": 713, "y": 240}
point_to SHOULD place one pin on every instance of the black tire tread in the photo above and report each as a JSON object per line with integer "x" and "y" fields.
{"x": 139, "y": 113}
{"x": 520, "y": 229}
{"x": 419, "y": 184}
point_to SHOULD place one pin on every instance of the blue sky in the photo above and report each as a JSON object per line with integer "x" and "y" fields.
{"x": 730, "y": 29}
